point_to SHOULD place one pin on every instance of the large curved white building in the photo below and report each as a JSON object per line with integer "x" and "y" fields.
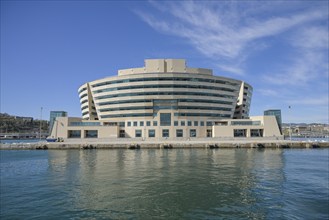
{"x": 162, "y": 85}
{"x": 164, "y": 99}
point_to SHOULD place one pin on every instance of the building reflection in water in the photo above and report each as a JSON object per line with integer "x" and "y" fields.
{"x": 177, "y": 182}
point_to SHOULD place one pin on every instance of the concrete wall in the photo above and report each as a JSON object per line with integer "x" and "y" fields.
{"x": 268, "y": 125}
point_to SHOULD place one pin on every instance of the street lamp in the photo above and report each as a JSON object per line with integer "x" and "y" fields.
{"x": 40, "y": 124}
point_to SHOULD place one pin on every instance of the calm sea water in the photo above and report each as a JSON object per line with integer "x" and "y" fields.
{"x": 165, "y": 184}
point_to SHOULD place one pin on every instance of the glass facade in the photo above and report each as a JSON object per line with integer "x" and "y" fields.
{"x": 178, "y": 100}
{"x": 156, "y": 79}
{"x": 165, "y": 93}
{"x": 165, "y": 119}
{"x": 85, "y": 123}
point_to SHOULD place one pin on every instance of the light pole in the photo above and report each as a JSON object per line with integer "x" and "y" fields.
{"x": 290, "y": 131}
{"x": 40, "y": 124}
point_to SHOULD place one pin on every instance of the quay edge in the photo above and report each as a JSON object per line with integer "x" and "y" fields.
{"x": 156, "y": 145}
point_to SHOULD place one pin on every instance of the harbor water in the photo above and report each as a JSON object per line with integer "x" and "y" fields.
{"x": 165, "y": 184}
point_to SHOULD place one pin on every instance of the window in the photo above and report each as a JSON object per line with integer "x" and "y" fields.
{"x": 141, "y": 123}
{"x": 192, "y": 133}
{"x": 129, "y": 123}
{"x": 121, "y": 124}
{"x": 165, "y": 119}
{"x": 201, "y": 123}
{"x": 74, "y": 134}
{"x": 209, "y": 132}
{"x": 246, "y": 122}
{"x": 182, "y": 123}
{"x": 148, "y": 123}
{"x": 175, "y": 123}
{"x": 179, "y": 133}
{"x": 122, "y": 133}
{"x": 256, "y": 132}
{"x": 74, "y": 123}
{"x": 138, "y": 133}
{"x": 209, "y": 123}
{"x": 165, "y": 132}
{"x": 135, "y": 123}
{"x": 189, "y": 123}
{"x": 196, "y": 123}
{"x": 155, "y": 123}
{"x": 240, "y": 132}
{"x": 151, "y": 133}
{"x": 91, "y": 133}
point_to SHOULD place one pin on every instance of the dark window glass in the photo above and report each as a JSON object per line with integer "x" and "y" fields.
{"x": 165, "y": 132}
{"x": 138, "y": 133}
{"x": 129, "y": 124}
{"x": 122, "y": 133}
{"x": 91, "y": 133}
{"x": 189, "y": 123}
{"x": 141, "y": 123}
{"x": 179, "y": 133}
{"x": 196, "y": 123}
{"x": 175, "y": 123}
{"x": 148, "y": 123}
{"x": 192, "y": 133}
{"x": 201, "y": 123}
{"x": 182, "y": 123}
{"x": 240, "y": 132}
{"x": 151, "y": 133}
{"x": 165, "y": 119}
{"x": 135, "y": 123}
{"x": 209, "y": 123}
{"x": 74, "y": 134}
{"x": 155, "y": 123}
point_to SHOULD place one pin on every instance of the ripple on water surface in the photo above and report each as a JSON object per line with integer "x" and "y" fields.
{"x": 165, "y": 184}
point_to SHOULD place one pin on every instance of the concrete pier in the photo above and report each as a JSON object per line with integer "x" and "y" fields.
{"x": 163, "y": 144}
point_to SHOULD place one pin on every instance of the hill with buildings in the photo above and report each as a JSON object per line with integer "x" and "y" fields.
{"x": 18, "y": 124}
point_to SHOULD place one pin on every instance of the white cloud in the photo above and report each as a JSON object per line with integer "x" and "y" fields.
{"x": 225, "y": 31}
{"x": 309, "y": 101}
{"x": 309, "y": 61}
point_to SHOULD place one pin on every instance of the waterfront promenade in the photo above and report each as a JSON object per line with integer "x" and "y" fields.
{"x": 140, "y": 143}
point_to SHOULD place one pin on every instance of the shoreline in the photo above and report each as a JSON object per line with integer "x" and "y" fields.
{"x": 163, "y": 144}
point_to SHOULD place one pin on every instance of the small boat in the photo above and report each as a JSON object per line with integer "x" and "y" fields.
{"x": 50, "y": 139}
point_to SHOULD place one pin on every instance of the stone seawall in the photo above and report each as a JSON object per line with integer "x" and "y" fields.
{"x": 169, "y": 145}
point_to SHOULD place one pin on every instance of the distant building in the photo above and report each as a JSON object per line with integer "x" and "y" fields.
{"x": 277, "y": 114}
{"x": 53, "y": 116}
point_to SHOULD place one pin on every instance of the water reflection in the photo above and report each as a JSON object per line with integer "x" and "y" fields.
{"x": 175, "y": 183}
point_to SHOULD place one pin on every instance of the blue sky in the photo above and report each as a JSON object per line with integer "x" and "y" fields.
{"x": 50, "y": 48}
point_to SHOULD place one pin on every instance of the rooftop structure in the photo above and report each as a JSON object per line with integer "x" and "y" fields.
{"x": 277, "y": 114}
{"x": 53, "y": 116}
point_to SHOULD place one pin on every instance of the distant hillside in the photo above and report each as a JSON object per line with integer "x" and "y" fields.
{"x": 17, "y": 124}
